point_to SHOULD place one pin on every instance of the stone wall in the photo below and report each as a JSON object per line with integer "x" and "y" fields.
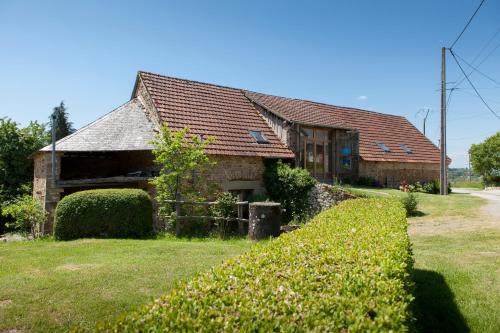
{"x": 323, "y": 196}
{"x": 149, "y": 108}
{"x": 390, "y": 174}
{"x": 238, "y": 173}
{"x": 44, "y": 188}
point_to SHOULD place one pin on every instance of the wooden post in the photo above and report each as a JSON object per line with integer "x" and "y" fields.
{"x": 177, "y": 214}
{"x": 241, "y": 225}
{"x": 443, "y": 179}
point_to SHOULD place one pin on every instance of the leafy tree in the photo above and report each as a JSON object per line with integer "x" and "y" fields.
{"x": 28, "y": 215}
{"x": 63, "y": 126}
{"x": 183, "y": 162}
{"x": 16, "y": 145}
{"x": 485, "y": 158}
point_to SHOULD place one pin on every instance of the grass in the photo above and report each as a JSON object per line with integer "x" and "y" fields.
{"x": 51, "y": 286}
{"x": 458, "y": 282}
{"x": 456, "y": 273}
{"x": 468, "y": 184}
{"x": 432, "y": 206}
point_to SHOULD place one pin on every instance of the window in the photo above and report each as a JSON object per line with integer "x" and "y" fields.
{"x": 383, "y": 147}
{"x": 259, "y": 137}
{"x": 406, "y": 149}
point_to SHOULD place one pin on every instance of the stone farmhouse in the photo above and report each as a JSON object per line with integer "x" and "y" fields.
{"x": 332, "y": 142}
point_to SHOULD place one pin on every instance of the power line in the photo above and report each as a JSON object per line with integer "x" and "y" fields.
{"x": 482, "y": 61}
{"x": 472, "y": 85}
{"x": 465, "y": 28}
{"x": 477, "y": 70}
{"x": 486, "y": 45}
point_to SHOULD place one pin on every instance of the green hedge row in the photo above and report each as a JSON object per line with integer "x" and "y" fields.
{"x": 347, "y": 270}
{"x": 113, "y": 213}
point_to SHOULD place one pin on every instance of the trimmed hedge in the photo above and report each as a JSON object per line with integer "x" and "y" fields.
{"x": 113, "y": 213}
{"x": 347, "y": 270}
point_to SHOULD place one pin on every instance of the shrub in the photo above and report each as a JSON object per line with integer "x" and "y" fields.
{"x": 225, "y": 208}
{"x": 433, "y": 187}
{"x": 114, "y": 213}
{"x": 410, "y": 204}
{"x": 27, "y": 215}
{"x": 366, "y": 181}
{"x": 258, "y": 197}
{"x": 289, "y": 186}
{"x": 347, "y": 270}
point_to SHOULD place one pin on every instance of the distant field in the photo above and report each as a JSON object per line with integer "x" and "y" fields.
{"x": 468, "y": 184}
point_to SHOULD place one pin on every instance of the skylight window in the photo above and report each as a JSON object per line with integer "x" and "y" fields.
{"x": 406, "y": 149}
{"x": 383, "y": 147}
{"x": 259, "y": 137}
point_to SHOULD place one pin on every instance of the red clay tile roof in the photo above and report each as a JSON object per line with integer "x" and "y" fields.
{"x": 213, "y": 110}
{"x": 228, "y": 114}
{"x": 373, "y": 127}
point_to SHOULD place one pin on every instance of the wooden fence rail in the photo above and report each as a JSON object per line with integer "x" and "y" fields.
{"x": 178, "y": 217}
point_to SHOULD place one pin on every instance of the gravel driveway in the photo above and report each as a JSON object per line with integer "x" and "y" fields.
{"x": 489, "y": 217}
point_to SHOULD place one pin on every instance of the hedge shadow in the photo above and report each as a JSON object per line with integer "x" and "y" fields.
{"x": 435, "y": 306}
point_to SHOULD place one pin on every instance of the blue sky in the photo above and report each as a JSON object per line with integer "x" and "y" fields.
{"x": 377, "y": 55}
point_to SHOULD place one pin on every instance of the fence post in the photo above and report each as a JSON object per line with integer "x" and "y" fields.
{"x": 241, "y": 225}
{"x": 177, "y": 214}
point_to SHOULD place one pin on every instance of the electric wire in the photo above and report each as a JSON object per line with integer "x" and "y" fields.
{"x": 465, "y": 28}
{"x": 472, "y": 85}
{"x": 482, "y": 61}
{"x": 477, "y": 70}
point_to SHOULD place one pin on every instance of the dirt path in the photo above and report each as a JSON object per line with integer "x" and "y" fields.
{"x": 489, "y": 217}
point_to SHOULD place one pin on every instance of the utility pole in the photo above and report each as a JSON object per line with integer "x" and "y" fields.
{"x": 443, "y": 177}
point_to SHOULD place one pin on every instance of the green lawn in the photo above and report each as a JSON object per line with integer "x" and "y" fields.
{"x": 433, "y": 206}
{"x": 457, "y": 272}
{"x": 51, "y": 286}
{"x": 458, "y": 282}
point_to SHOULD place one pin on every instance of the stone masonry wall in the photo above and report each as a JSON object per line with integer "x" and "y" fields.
{"x": 44, "y": 188}
{"x": 390, "y": 174}
{"x": 238, "y": 173}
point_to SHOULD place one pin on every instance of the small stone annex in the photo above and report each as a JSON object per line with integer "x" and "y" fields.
{"x": 333, "y": 143}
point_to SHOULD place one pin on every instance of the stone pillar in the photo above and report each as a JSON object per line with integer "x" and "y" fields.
{"x": 264, "y": 220}
{"x": 44, "y": 187}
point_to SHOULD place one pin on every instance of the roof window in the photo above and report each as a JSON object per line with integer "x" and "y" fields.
{"x": 259, "y": 137}
{"x": 383, "y": 147}
{"x": 406, "y": 149}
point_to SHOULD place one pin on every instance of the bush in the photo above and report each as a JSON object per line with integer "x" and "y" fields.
{"x": 27, "y": 215}
{"x": 366, "y": 181}
{"x": 347, "y": 270}
{"x": 225, "y": 208}
{"x": 433, "y": 187}
{"x": 289, "y": 186}
{"x": 410, "y": 204}
{"x": 114, "y": 213}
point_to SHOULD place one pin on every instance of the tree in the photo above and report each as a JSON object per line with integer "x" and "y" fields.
{"x": 28, "y": 215}
{"x": 62, "y": 125}
{"x": 183, "y": 163}
{"x": 16, "y": 145}
{"x": 485, "y": 158}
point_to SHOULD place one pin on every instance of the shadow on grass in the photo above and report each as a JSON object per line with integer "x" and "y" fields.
{"x": 418, "y": 214}
{"x": 435, "y": 307}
